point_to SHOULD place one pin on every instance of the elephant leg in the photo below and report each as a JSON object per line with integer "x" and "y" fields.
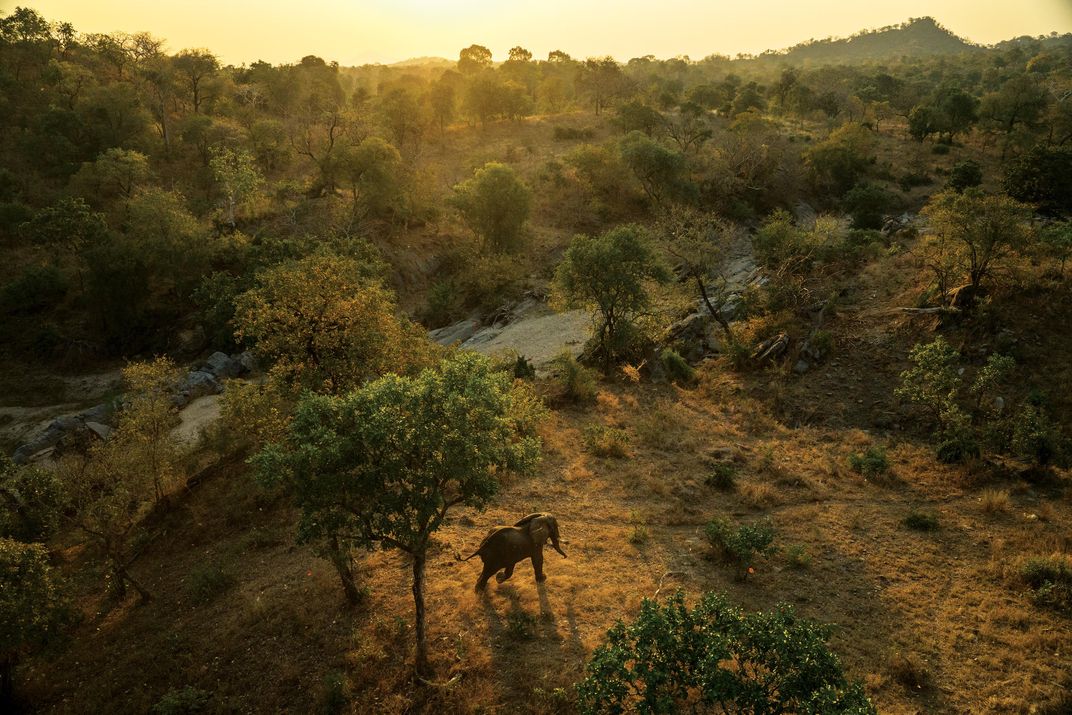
{"x": 484, "y": 576}
{"x": 537, "y": 566}
{"x": 507, "y": 573}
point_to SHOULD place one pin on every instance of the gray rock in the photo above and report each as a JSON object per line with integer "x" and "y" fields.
{"x": 457, "y": 333}
{"x": 247, "y": 361}
{"x": 98, "y": 413}
{"x": 102, "y": 431}
{"x": 196, "y": 384}
{"x": 481, "y": 336}
{"x": 801, "y": 367}
{"x": 222, "y": 366}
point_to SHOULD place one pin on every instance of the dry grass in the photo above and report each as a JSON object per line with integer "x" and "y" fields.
{"x": 995, "y": 501}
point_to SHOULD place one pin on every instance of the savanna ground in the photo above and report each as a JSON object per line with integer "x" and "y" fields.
{"x": 931, "y": 621}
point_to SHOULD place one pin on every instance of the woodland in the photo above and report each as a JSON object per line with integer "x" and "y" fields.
{"x": 771, "y": 352}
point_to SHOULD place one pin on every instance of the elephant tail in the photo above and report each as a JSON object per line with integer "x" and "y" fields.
{"x": 457, "y": 556}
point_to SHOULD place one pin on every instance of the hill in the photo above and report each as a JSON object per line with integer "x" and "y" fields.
{"x": 919, "y": 37}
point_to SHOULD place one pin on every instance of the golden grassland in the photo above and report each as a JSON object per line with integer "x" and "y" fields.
{"x": 931, "y": 621}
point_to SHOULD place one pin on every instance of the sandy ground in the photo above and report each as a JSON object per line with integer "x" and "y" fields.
{"x": 196, "y": 416}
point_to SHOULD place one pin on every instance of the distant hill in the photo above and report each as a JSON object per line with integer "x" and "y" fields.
{"x": 918, "y": 37}
{"x": 424, "y": 61}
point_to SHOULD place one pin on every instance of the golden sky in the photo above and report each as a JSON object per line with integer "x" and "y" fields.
{"x": 360, "y": 31}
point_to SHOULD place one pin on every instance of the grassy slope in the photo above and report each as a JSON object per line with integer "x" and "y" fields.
{"x": 940, "y": 603}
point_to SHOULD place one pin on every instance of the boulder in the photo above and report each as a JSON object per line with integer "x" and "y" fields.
{"x": 691, "y": 336}
{"x": 222, "y": 366}
{"x": 101, "y": 413}
{"x": 456, "y": 333}
{"x": 196, "y": 384}
{"x": 771, "y": 349}
{"x": 101, "y": 431}
{"x": 247, "y": 361}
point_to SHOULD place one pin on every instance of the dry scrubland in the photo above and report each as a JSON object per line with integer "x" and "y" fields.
{"x": 918, "y": 565}
{"x": 932, "y": 621}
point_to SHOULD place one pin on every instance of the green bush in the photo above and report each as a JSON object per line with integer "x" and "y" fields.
{"x": 578, "y": 382}
{"x": 1034, "y": 435}
{"x": 182, "y": 701}
{"x": 603, "y": 441}
{"x": 921, "y": 521}
{"x": 445, "y": 303}
{"x": 797, "y": 557}
{"x": 722, "y": 476}
{"x": 1050, "y": 579}
{"x": 208, "y": 582}
{"x": 965, "y": 175}
{"x": 871, "y": 463}
{"x": 35, "y": 289}
{"x": 673, "y": 659}
{"x": 741, "y": 544}
{"x": 573, "y": 133}
{"x": 676, "y": 367}
{"x": 32, "y": 504}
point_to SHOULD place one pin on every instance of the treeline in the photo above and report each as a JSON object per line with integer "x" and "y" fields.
{"x": 140, "y": 190}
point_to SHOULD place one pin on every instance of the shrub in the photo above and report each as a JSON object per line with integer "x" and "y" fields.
{"x": 866, "y": 203}
{"x": 32, "y": 504}
{"x": 722, "y": 476}
{"x": 965, "y": 175}
{"x": 35, "y": 289}
{"x": 1050, "y": 579}
{"x": 994, "y": 501}
{"x": 444, "y": 303}
{"x": 603, "y": 441}
{"x": 182, "y": 701}
{"x": 578, "y": 382}
{"x": 1034, "y": 435}
{"x": 495, "y": 204}
{"x": 797, "y": 557}
{"x": 921, "y": 521}
{"x": 741, "y": 544}
{"x": 674, "y": 659}
{"x": 208, "y": 582}
{"x": 573, "y": 133}
{"x": 676, "y": 367}
{"x": 872, "y": 463}
{"x": 520, "y": 626}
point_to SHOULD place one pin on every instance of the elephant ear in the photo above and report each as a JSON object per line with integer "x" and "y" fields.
{"x": 539, "y": 530}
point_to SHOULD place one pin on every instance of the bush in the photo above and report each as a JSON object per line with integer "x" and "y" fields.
{"x": 1034, "y": 435}
{"x": 965, "y": 175}
{"x": 578, "y": 382}
{"x": 872, "y": 463}
{"x": 495, "y": 204}
{"x": 444, "y": 303}
{"x": 603, "y": 441}
{"x": 182, "y": 701}
{"x": 208, "y": 582}
{"x": 676, "y": 367}
{"x": 1050, "y": 579}
{"x": 722, "y": 476}
{"x": 573, "y": 133}
{"x": 921, "y": 521}
{"x": 797, "y": 557}
{"x": 35, "y": 289}
{"x": 674, "y": 659}
{"x": 867, "y": 203}
{"x": 741, "y": 544}
{"x": 32, "y": 504}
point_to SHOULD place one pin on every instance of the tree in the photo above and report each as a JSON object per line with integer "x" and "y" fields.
{"x": 977, "y": 231}
{"x": 33, "y": 609}
{"x": 715, "y": 655}
{"x": 609, "y": 272}
{"x": 326, "y": 324}
{"x": 473, "y": 59}
{"x": 196, "y": 67}
{"x": 1042, "y": 176}
{"x": 115, "y": 174}
{"x": 373, "y": 170}
{"x": 69, "y": 224}
{"x": 698, "y": 242}
{"x": 1019, "y": 102}
{"x": 31, "y": 502}
{"x": 965, "y": 175}
{"x": 603, "y": 80}
{"x": 841, "y": 160}
{"x": 443, "y": 99}
{"x": 495, "y": 204}
{"x": 146, "y": 421}
{"x": 661, "y": 171}
{"x": 235, "y": 172}
{"x": 383, "y": 465}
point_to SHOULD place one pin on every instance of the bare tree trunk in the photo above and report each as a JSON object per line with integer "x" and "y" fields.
{"x": 421, "y": 665}
{"x": 716, "y": 314}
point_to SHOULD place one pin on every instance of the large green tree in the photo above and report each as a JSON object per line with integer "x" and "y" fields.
{"x": 381, "y": 466}
{"x": 495, "y": 203}
{"x": 610, "y": 273}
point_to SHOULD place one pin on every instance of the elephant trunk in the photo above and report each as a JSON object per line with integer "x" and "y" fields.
{"x": 554, "y": 539}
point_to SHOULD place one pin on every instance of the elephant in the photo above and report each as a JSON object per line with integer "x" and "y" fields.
{"x": 504, "y": 546}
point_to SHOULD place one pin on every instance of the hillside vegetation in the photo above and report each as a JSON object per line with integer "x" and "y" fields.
{"x": 769, "y": 352}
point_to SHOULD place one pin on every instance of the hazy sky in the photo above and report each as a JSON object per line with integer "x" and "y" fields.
{"x": 360, "y": 31}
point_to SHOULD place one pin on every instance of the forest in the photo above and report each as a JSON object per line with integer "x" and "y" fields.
{"x": 771, "y": 352}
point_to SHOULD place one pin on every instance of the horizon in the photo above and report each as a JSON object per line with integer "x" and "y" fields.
{"x": 379, "y": 32}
